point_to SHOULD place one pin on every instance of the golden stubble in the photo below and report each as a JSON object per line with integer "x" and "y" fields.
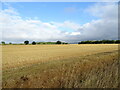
{"x": 14, "y": 56}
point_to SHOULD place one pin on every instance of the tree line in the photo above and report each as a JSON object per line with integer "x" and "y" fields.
{"x": 34, "y": 43}
{"x": 100, "y": 42}
{"x": 59, "y": 42}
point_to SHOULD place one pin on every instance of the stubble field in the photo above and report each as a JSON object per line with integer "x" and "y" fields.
{"x": 60, "y": 66}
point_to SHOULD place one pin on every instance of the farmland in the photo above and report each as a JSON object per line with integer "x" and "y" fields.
{"x": 60, "y": 66}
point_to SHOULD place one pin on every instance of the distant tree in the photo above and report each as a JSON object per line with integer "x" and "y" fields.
{"x": 58, "y": 42}
{"x": 38, "y": 42}
{"x": 96, "y": 42}
{"x": 33, "y": 43}
{"x": 111, "y": 41}
{"x": 3, "y": 43}
{"x": 79, "y": 42}
{"x": 44, "y": 43}
{"x": 26, "y": 42}
{"x": 100, "y": 42}
{"x": 82, "y": 42}
{"x": 10, "y": 43}
{"x": 117, "y": 41}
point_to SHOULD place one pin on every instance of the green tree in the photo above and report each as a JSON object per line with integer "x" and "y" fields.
{"x": 117, "y": 41}
{"x": 3, "y": 43}
{"x": 58, "y": 42}
{"x": 33, "y": 43}
{"x": 26, "y": 42}
{"x": 10, "y": 43}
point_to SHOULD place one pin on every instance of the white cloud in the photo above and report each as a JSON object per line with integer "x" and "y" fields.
{"x": 67, "y": 24}
{"x": 104, "y": 28}
{"x": 104, "y": 10}
{"x": 17, "y": 29}
{"x": 75, "y": 33}
{"x": 107, "y": 26}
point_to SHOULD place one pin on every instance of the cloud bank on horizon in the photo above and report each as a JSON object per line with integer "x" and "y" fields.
{"x": 16, "y": 28}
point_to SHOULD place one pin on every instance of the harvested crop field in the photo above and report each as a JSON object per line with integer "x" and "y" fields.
{"x": 60, "y": 66}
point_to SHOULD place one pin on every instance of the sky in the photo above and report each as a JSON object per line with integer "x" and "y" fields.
{"x": 65, "y": 21}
